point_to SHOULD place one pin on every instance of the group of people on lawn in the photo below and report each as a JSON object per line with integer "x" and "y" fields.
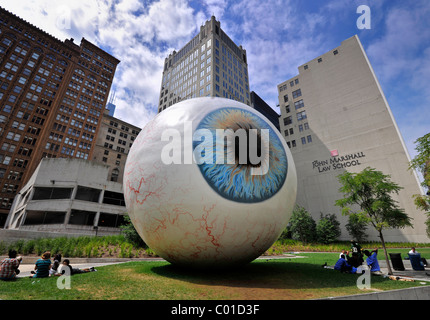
{"x": 44, "y": 267}
{"x": 354, "y": 263}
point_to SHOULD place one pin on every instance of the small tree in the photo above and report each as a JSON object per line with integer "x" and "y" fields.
{"x": 130, "y": 233}
{"x": 371, "y": 190}
{"x": 302, "y": 225}
{"x": 421, "y": 162}
{"x": 328, "y": 229}
{"x": 356, "y": 227}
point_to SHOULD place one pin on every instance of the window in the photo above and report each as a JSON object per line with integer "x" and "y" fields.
{"x": 44, "y": 193}
{"x": 286, "y": 98}
{"x": 110, "y": 220}
{"x": 286, "y": 133}
{"x": 293, "y": 143}
{"x": 291, "y": 131}
{"x": 114, "y": 198}
{"x": 306, "y": 125}
{"x": 287, "y": 109}
{"x": 87, "y": 194}
{"x": 335, "y": 52}
{"x": 306, "y": 67}
{"x": 301, "y": 115}
{"x": 309, "y": 139}
{"x": 44, "y": 217}
{"x": 319, "y": 60}
{"x": 300, "y": 127}
{"x": 303, "y": 140}
{"x": 288, "y": 120}
{"x": 299, "y": 104}
{"x": 297, "y": 93}
{"x": 296, "y": 81}
{"x": 81, "y": 217}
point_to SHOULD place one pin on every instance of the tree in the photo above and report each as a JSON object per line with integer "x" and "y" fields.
{"x": 130, "y": 233}
{"x": 421, "y": 162}
{"x": 328, "y": 229}
{"x": 356, "y": 227}
{"x": 302, "y": 225}
{"x": 371, "y": 191}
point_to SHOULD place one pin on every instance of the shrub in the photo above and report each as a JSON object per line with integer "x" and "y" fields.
{"x": 131, "y": 234}
{"x": 302, "y": 225}
{"x": 356, "y": 227}
{"x": 328, "y": 229}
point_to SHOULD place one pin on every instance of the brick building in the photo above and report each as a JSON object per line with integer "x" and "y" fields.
{"x": 52, "y": 97}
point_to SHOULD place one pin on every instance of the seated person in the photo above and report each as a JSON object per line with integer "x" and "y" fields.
{"x": 9, "y": 266}
{"x": 423, "y": 260}
{"x": 55, "y": 265}
{"x": 42, "y": 266}
{"x": 372, "y": 260}
{"x": 343, "y": 266}
{"x": 68, "y": 270}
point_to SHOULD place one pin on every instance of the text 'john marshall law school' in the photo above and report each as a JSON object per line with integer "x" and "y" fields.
{"x": 338, "y": 162}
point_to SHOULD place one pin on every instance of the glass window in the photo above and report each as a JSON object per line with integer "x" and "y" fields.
{"x": 303, "y": 140}
{"x": 299, "y": 104}
{"x": 297, "y": 93}
{"x": 288, "y": 120}
{"x": 301, "y": 115}
{"x": 309, "y": 139}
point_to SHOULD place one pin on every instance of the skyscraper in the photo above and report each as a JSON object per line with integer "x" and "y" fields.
{"x": 52, "y": 97}
{"x": 211, "y": 64}
{"x": 335, "y": 117}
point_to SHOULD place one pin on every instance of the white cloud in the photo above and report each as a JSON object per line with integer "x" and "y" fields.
{"x": 139, "y": 34}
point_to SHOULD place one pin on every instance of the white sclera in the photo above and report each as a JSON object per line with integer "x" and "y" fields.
{"x": 179, "y": 215}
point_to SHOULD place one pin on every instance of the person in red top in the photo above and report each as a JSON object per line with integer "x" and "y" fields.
{"x": 9, "y": 266}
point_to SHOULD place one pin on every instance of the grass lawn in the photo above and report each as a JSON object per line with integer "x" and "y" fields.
{"x": 280, "y": 279}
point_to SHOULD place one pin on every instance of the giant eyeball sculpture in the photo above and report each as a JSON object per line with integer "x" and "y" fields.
{"x": 209, "y": 182}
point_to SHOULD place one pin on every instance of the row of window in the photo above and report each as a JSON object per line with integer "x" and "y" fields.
{"x": 292, "y": 143}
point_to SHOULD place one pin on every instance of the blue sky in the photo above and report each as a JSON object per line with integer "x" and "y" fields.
{"x": 277, "y": 35}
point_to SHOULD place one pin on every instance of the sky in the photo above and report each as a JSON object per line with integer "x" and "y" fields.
{"x": 278, "y": 35}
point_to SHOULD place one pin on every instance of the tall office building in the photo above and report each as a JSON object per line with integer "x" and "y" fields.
{"x": 335, "y": 117}
{"x": 52, "y": 97}
{"x": 211, "y": 64}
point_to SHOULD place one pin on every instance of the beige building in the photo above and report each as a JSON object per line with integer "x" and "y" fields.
{"x": 52, "y": 95}
{"x": 335, "y": 117}
{"x": 210, "y": 65}
{"x": 113, "y": 143}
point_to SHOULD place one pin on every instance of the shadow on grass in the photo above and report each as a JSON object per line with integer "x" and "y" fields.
{"x": 269, "y": 274}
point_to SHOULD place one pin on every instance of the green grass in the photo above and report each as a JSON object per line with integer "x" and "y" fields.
{"x": 292, "y": 279}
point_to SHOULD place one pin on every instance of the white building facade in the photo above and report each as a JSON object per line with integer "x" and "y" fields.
{"x": 69, "y": 196}
{"x": 335, "y": 117}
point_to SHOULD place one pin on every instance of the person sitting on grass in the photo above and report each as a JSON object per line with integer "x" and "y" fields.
{"x": 9, "y": 266}
{"x": 55, "y": 265}
{"x": 42, "y": 266}
{"x": 68, "y": 270}
{"x": 372, "y": 260}
{"x": 343, "y": 266}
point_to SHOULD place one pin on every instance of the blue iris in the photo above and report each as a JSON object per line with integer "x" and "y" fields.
{"x": 234, "y": 181}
